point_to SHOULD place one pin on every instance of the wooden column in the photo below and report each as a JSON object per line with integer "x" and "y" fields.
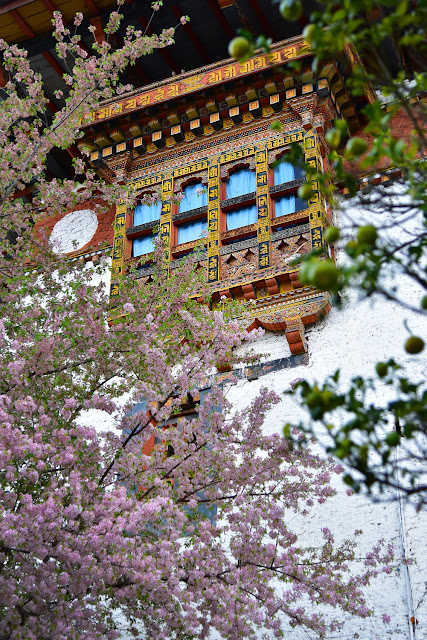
{"x": 213, "y": 221}
{"x": 295, "y": 335}
{"x": 166, "y": 214}
{"x": 118, "y": 254}
{"x": 316, "y": 204}
{"x": 263, "y": 226}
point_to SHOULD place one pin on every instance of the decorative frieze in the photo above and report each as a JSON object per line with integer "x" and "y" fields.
{"x": 292, "y": 231}
{"x": 286, "y": 186}
{"x": 238, "y": 246}
{"x": 133, "y": 231}
{"x": 238, "y": 200}
{"x": 191, "y": 214}
{"x": 145, "y": 271}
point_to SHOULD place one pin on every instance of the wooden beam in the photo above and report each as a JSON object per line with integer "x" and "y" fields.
{"x": 53, "y": 63}
{"x": 92, "y": 6}
{"x": 31, "y": 34}
{"x": 47, "y": 56}
{"x": 6, "y": 8}
{"x": 99, "y": 34}
{"x": 50, "y": 6}
{"x": 192, "y": 35}
{"x": 23, "y": 192}
{"x": 262, "y": 20}
{"x": 22, "y": 23}
{"x": 221, "y": 18}
{"x": 52, "y": 106}
{"x": 3, "y": 76}
{"x": 163, "y": 52}
{"x": 73, "y": 151}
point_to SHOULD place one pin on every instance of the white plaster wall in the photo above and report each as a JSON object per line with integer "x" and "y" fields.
{"x": 354, "y": 339}
{"x": 270, "y": 346}
{"x": 74, "y": 230}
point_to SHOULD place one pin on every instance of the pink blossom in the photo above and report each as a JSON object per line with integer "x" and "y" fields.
{"x": 99, "y": 521}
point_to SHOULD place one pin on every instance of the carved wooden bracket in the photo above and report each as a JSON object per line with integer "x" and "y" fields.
{"x": 295, "y": 335}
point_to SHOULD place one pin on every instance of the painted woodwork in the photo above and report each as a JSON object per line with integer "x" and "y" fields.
{"x": 199, "y": 127}
{"x": 214, "y": 193}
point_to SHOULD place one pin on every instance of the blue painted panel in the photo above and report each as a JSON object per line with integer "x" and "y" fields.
{"x": 143, "y": 245}
{"x": 289, "y": 204}
{"x": 191, "y": 230}
{"x": 192, "y": 199}
{"x": 146, "y": 213}
{"x": 241, "y": 217}
{"x": 285, "y": 172}
{"x": 240, "y": 183}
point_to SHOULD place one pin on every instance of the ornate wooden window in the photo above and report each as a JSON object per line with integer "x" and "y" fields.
{"x": 195, "y": 196}
{"x": 144, "y": 213}
{"x": 145, "y": 218}
{"x": 189, "y": 231}
{"x": 143, "y": 245}
{"x": 289, "y": 203}
{"x": 285, "y": 171}
{"x": 240, "y": 192}
{"x": 240, "y": 183}
{"x": 287, "y": 178}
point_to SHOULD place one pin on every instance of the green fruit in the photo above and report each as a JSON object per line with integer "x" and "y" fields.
{"x": 414, "y": 345}
{"x": 341, "y": 125}
{"x": 333, "y": 138}
{"x": 291, "y": 9}
{"x": 306, "y": 271}
{"x": 392, "y": 439}
{"x": 312, "y": 400}
{"x": 305, "y": 192}
{"x": 356, "y": 146}
{"x": 238, "y": 48}
{"x": 351, "y": 248}
{"x": 325, "y": 275}
{"x": 332, "y": 235}
{"x": 308, "y": 33}
{"x": 424, "y": 303}
{"x": 381, "y": 369}
{"x": 326, "y": 397}
{"x": 367, "y": 235}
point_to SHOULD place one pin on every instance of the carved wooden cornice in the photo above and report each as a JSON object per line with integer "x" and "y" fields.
{"x": 191, "y": 214}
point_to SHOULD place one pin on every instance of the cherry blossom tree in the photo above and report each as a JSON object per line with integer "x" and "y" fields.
{"x": 175, "y": 518}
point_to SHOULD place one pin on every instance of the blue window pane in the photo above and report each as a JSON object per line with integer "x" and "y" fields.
{"x": 191, "y": 198}
{"x": 285, "y": 172}
{"x": 241, "y": 182}
{"x": 288, "y": 204}
{"x": 145, "y": 213}
{"x": 241, "y": 217}
{"x": 191, "y": 230}
{"x": 143, "y": 245}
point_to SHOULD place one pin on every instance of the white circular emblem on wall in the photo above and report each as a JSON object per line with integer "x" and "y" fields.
{"x": 72, "y": 232}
